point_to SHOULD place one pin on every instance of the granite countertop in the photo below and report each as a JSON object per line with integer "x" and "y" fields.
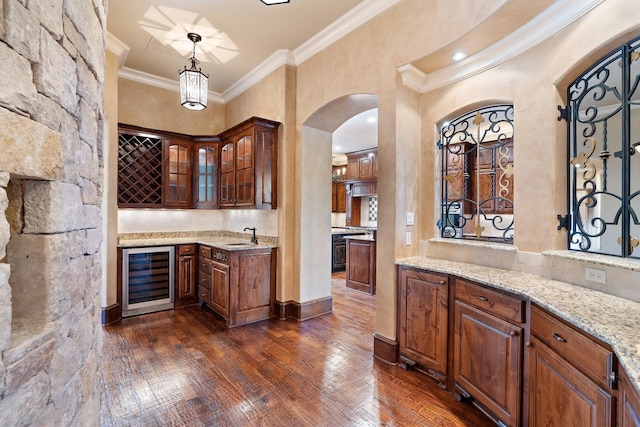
{"x": 339, "y": 230}
{"x": 367, "y": 237}
{"x": 227, "y": 241}
{"x": 614, "y": 320}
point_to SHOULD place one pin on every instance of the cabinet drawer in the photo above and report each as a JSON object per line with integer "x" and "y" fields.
{"x": 205, "y": 251}
{"x": 204, "y": 280}
{"x": 494, "y": 302}
{"x": 205, "y": 265}
{"x": 584, "y": 353}
{"x": 204, "y": 295}
{"x": 186, "y": 249}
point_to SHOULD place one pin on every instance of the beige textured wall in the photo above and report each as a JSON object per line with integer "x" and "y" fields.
{"x": 110, "y": 199}
{"x": 536, "y": 83}
{"x": 156, "y": 108}
{"x": 274, "y": 98}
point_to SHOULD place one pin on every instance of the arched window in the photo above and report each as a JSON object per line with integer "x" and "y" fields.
{"x": 477, "y": 175}
{"x": 604, "y": 145}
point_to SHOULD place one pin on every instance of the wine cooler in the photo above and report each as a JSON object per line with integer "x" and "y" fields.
{"x": 147, "y": 280}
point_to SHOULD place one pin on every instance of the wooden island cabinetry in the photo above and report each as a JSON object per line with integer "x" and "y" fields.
{"x": 629, "y": 404}
{"x": 239, "y": 285}
{"x": 361, "y": 263}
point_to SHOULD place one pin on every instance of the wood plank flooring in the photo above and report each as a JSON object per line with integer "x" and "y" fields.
{"x": 184, "y": 368}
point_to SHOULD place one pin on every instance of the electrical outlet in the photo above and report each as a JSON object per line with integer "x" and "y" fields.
{"x": 407, "y": 238}
{"x": 595, "y": 275}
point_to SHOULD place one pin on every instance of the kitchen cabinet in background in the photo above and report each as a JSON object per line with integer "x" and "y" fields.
{"x": 362, "y": 165}
{"x": 177, "y": 174}
{"x": 361, "y": 263}
{"x": 206, "y": 172}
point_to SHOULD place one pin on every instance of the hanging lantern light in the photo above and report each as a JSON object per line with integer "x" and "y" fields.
{"x": 194, "y": 84}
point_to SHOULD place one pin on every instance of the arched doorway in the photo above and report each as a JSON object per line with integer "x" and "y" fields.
{"x": 315, "y": 192}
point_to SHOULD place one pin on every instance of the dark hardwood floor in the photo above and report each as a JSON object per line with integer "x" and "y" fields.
{"x": 184, "y": 368}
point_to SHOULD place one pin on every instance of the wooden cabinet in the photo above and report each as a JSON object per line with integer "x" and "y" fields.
{"x": 186, "y": 275}
{"x": 239, "y": 285}
{"x": 570, "y": 376}
{"x": 423, "y": 321}
{"x": 361, "y": 264}
{"x": 177, "y": 173}
{"x": 206, "y": 173}
{"x": 362, "y": 165}
{"x": 364, "y": 188}
{"x": 338, "y": 253}
{"x": 338, "y": 197}
{"x": 352, "y": 208}
{"x": 628, "y": 404}
{"x": 488, "y": 350}
{"x": 248, "y": 165}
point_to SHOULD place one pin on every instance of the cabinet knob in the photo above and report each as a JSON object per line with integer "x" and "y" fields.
{"x": 513, "y": 333}
{"x": 442, "y": 282}
{"x": 528, "y": 344}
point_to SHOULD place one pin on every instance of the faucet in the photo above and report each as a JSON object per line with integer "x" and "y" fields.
{"x": 254, "y": 239}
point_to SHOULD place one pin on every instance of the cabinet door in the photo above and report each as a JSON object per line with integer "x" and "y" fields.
{"x": 423, "y": 321}
{"x": 220, "y": 288}
{"x": 341, "y": 198}
{"x": 487, "y": 361}
{"x": 245, "y": 178}
{"x": 206, "y": 175}
{"x": 187, "y": 284}
{"x": 353, "y": 168}
{"x": 629, "y": 412}
{"x": 560, "y": 395}
{"x": 177, "y": 182}
{"x": 366, "y": 167}
{"x": 334, "y": 196}
{"x": 227, "y": 175}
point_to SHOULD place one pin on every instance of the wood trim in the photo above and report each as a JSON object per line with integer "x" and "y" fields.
{"x": 283, "y": 309}
{"x": 111, "y": 314}
{"x": 385, "y": 349}
{"x": 311, "y": 309}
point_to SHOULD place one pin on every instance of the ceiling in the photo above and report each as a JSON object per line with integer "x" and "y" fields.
{"x": 237, "y": 35}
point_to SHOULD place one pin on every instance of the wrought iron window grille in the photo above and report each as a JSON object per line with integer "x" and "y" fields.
{"x": 477, "y": 179}
{"x": 603, "y": 170}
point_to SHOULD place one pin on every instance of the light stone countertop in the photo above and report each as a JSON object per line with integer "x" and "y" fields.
{"x": 221, "y": 240}
{"x": 339, "y": 230}
{"x": 365, "y": 237}
{"x": 612, "y": 319}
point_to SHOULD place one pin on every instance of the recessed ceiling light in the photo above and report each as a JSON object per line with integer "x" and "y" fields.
{"x": 337, "y": 148}
{"x": 270, "y": 2}
{"x": 458, "y": 56}
{"x": 371, "y": 119}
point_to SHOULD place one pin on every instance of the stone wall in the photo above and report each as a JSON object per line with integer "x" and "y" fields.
{"x": 51, "y": 121}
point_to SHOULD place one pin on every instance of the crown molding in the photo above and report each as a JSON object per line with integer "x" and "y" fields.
{"x": 554, "y": 19}
{"x": 351, "y": 20}
{"x": 118, "y": 47}
{"x": 161, "y": 82}
{"x": 276, "y": 60}
{"x": 412, "y": 77}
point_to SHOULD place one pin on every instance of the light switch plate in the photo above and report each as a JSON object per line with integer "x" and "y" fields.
{"x": 407, "y": 238}
{"x": 410, "y": 218}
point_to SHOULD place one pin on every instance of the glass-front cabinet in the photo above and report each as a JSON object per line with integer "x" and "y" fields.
{"x": 207, "y": 171}
{"x": 178, "y": 174}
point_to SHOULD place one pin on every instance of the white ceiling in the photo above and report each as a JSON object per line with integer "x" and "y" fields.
{"x": 358, "y": 133}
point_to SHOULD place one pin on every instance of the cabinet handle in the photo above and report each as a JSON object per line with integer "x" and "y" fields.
{"x": 442, "y": 282}
{"x": 558, "y": 337}
{"x": 513, "y": 333}
{"x": 528, "y": 344}
{"x": 481, "y": 298}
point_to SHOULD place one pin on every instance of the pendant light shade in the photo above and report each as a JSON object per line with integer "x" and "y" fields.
{"x": 194, "y": 84}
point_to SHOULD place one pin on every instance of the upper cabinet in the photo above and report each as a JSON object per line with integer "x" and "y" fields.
{"x": 362, "y": 165}
{"x": 248, "y": 165}
{"x": 168, "y": 170}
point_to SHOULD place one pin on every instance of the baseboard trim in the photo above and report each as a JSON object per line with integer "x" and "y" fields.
{"x": 311, "y": 309}
{"x": 283, "y": 309}
{"x": 111, "y": 314}
{"x": 385, "y": 349}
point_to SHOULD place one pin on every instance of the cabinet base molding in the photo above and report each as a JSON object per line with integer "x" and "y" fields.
{"x": 385, "y": 349}
{"x": 283, "y": 309}
{"x": 111, "y": 314}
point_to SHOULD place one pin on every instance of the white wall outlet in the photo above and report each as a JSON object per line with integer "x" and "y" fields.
{"x": 407, "y": 238}
{"x": 595, "y": 275}
{"x": 411, "y": 218}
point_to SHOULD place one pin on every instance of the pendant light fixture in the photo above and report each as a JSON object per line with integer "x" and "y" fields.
{"x": 270, "y": 2}
{"x": 194, "y": 84}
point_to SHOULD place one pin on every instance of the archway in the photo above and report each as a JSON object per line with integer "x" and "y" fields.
{"x": 315, "y": 194}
